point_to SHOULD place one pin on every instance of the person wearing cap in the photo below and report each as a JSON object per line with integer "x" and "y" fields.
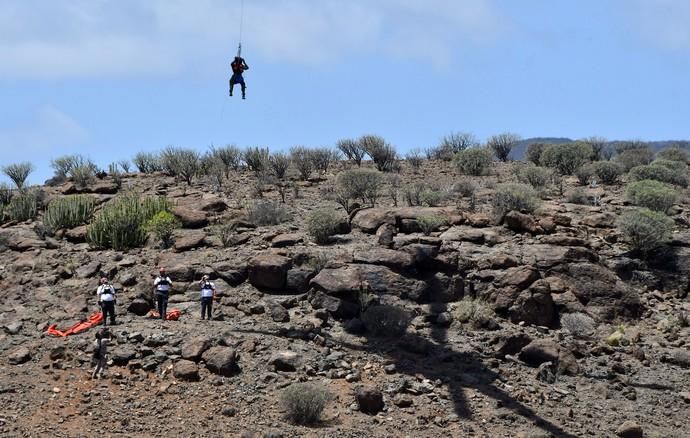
{"x": 106, "y": 300}
{"x": 162, "y": 285}
{"x": 208, "y": 293}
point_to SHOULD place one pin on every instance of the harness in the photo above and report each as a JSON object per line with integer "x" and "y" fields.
{"x": 237, "y": 67}
{"x": 163, "y": 285}
{"x": 206, "y": 290}
{"x": 109, "y": 291}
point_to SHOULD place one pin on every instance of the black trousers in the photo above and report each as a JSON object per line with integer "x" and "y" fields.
{"x": 162, "y": 300}
{"x": 206, "y": 306}
{"x": 108, "y": 308}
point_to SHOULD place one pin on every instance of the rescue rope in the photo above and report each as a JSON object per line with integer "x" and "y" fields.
{"x": 239, "y": 46}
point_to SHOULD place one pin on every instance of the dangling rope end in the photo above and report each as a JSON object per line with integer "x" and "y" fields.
{"x": 239, "y": 50}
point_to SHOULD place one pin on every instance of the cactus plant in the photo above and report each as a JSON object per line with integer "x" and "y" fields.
{"x": 68, "y": 212}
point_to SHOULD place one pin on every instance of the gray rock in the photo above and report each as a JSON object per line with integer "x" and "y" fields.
{"x": 190, "y": 218}
{"x": 19, "y": 356}
{"x": 396, "y": 260}
{"x": 385, "y": 234}
{"x": 337, "y": 307}
{"x": 285, "y": 240}
{"x": 285, "y": 361}
{"x": 186, "y": 370}
{"x": 369, "y": 399}
{"x": 122, "y": 355}
{"x": 195, "y": 348}
{"x": 139, "y": 306}
{"x": 630, "y": 429}
{"x": 89, "y": 270}
{"x": 269, "y": 271}
{"x": 277, "y": 312}
{"x": 190, "y": 240}
{"x": 221, "y": 360}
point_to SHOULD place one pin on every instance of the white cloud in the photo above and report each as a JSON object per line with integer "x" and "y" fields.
{"x": 665, "y": 23}
{"x": 114, "y": 38}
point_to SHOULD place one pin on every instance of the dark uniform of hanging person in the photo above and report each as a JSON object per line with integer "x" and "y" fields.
{"x": 238, "y": 67}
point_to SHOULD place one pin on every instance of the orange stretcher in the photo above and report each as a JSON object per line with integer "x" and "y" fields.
{"x": 172, "y": 315}
{"x": 79, "y": 327}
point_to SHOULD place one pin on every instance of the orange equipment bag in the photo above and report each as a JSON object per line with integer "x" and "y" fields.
{"x": 172, "y": 315}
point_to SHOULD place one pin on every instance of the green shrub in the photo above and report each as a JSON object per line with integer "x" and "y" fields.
{"x": 634, "y": 157}
{"x": 182, "y": 163}
{"x": 381, "y": 153}
{"x": 358, "y": 185}
{"x": 352, "y": 150}
{"x": 474, "y": 161}
{"x": 162, "y": 225}
{"x": 455, "y": 142}
{"x": 147, "y": 162}
{"x": 647, "y": 230}
{"x": 584, "y": 174}
{"x": 537, "y": 177}
{"x": 502, "y": 144}
{"x": 518, "y": 197}
{"x": 256, "y": 158}
{"x": 476, "y": 312}
{"x": 566, "y": 158}
{"x": 534, "y": 151}
{"x": 303, "y": 159}
{"x": 322, "y": 224}
{"x": 83, "y": 175}
{"x": 304, "y": 402}
{"x": 264, "y": 213}
{"x": 606, "y": 172}
{"x": 280, "y": 162}
{"x": 68, "y": 212}
{"x": 428, "y": 224}
{"x": 22, "y": 206}
{"x": 651, "y": 194}
{"x": 466, "y": 187}
{"x": 386, "y": 320}
{"x": 676, "y": 166}
{"x": 674, "y": 153}
{"x": 6, "y": 194}
{"x": 659, "y": 173}
{"x": 18, "y": 173}
{"x": 120, "y": 224}
{"x": 230, "y": 156}
{"x": 577, "y": 196}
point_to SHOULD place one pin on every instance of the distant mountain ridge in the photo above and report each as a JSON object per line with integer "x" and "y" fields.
{"x": 518, "y": 152}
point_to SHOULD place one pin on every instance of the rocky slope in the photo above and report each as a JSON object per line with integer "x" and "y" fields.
{"x": 287, "y": 313}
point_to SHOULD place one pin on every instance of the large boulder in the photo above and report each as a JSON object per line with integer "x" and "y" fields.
{"x": 269, "y": 271}
{"x": 194, "y": 348}
{"x": 600, "y": 220}
{"x": 463, "y": 234}
{"x": 76, "y": 234}
{"x": 285, "y": 361}
{"x": 521, "y": 222}
{"x": 370, "y": 219}
{"x": 544, "y": 350}
{"x": 369, "y": 400}
{"x": 221, "y": 360}
{"x": 337, "y": 307}
{"x": 397, "y": 260}
{"x": 190, "y": 218}
{"x": 19, "y": 356}
{"x": 186, "y": 370}
{"x": 547, "y": 256}
{"x": 285, "y": 240}
{"x": 535, "y": 306}
{"x": 189, "y": 241}
{"x": 139, "y": 306}
{"x": 234, "y": 272}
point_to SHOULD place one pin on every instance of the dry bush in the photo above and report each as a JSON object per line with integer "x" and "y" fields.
{"x": 518, "y": 197}
{"x": 147, "y": 162}
{"x": 566, "y": 158}
{"x": 322, "y": 224}
{"x": 303, "y": 160}
{"x": 256, "y": 158}
{"x": 304, "y": 402}
{"x": 279, "y": 162}
{"x": 381, "y": 152}
{"x": 264, "y": 213}
{"x": 607, "y": 172}
{"x": 352, "y": 150}
{"x": 634, "y": 157}
{"x": 18, "y": 173}
{"x": 534, "y": 151}
{"x": 646, "y": 230}
{"x": 428, "y": 224}
{"x": 674, "y": 153}
{"x": 474, "y": 161}
{"x": 537, "y": 177}
{"x": 577, "y": 196}
{"x": 579, "y": 325}
{"x": 502, "y": 144}
{"x": 386, "y": 320}
{"x": 476, "y": 312}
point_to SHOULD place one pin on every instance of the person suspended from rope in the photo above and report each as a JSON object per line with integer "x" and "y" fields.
{"x": 238, "y": 66}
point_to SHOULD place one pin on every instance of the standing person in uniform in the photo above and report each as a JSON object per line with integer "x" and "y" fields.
{"x": 238, "y": 67}
{"x": 208, "y": 293}
{"x": 100, "y": 353}
{"x": 106, "y": 300}
{"x": 162, "y": 285}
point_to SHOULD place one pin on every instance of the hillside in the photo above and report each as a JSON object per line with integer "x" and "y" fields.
{"x": 485, "y": 325}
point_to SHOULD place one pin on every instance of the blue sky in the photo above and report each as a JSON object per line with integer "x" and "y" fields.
{"x": 108, "y": 78}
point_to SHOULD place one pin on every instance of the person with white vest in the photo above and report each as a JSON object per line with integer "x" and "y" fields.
{"x": 106, "y": 300}
{"x": 208, "y": 293}
{"x": 162, "y": 285}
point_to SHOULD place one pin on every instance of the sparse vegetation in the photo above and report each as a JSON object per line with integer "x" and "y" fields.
{"x": 414, "y": 159}
{"x": 534, "y": 151}
{"x": 322, "y": 224}
{"x": 606, "y": 172}
{"x": 381, "y": 153}
{"x": 18, "y": 173}
{"x": 256, "y": 158}
{"x": 566, "y": 158}
{"x": 584, "y": 174}
{"x": 579, "y": 325}
{"x": 633, "y": 157}
{"x": 429, "y": 224}
{"x": 358, "y": 184}
{"x": 163, "y": 225}
{"x": 68, "y": 212}
{"x": 6, "y": 193}
{"x": 518, "y": 197}
{"x": 577, "y": 196}
{"x": 264, "y": 213}
{"x": 598, "y": 145}
{"x": 352, "y": 150}
{"x": 659, "y": 173}
{"x": 304, "y": 402}
{"x": 476, "y": 312}
{"x": 182, "y": 163}
{"x": 23, "y": 206}
{"x": 280, "y": 162}
{"x": 120, "y": 224}
{"x": 674, "y": 153}
{"x": 466, "y": 187}
{"x": 147, "y": 162}
{"x": 676, "y": 166}
{"x": 230, "y": 156}
{"x": 303, "y": 160}
{"x": 322, "y": 158}
{"x": 474, "y": 161}
{"x": 502, "y": 144}
{"x": 652, "y": 194}
{"x": 452, "y": 144}
{"x": 386, "y": 320}
{"x": 646, "y": 230}
{"x": 537, "y": 177}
